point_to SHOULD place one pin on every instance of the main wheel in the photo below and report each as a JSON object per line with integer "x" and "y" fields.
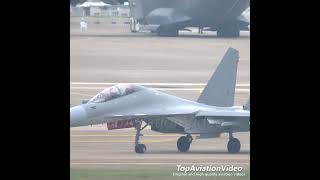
{"x": 140, "y": 148}
{"x": 183, "y": 144}
{"x": 234, "y": 145}
{"x": 168, "y": 31}
{"x": 229, "y": 31}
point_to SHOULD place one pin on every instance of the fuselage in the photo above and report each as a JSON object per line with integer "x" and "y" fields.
{"x": 153, "y": 106}
{"x": 208, "y": 13}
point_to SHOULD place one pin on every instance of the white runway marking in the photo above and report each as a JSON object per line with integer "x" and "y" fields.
{"x": 81, "y": 94}
{"x": 161, "y": 89}
{"x": 123, "y": 135}
{"x": 148, "y": 84}
{"x": 125, "y": 141}
{"x": 155, "y": 163}
{"x": 103, "y": 85}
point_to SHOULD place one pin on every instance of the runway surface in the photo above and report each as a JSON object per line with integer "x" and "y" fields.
{"x": 107, "y": 54}
{"x": 96, "y": 147}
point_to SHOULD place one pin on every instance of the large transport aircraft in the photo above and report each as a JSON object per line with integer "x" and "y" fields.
{"x": 167, "y": 17}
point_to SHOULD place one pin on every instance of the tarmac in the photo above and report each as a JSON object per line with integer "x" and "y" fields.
{"x": 106, "y": 54}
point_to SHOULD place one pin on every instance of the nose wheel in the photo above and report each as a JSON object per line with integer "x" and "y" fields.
{"x": 184, "y": 142}
{"x": 139, "y": 148}
{"x": 234, "y": 144}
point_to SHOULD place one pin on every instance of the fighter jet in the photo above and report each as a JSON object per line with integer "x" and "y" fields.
{"x": 135, "y": 106}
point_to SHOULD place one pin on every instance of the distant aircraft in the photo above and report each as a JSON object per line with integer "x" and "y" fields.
{"x": 130, "y": 105}
{"x": 167, "y": 17}
{"x": 244, "y": 18}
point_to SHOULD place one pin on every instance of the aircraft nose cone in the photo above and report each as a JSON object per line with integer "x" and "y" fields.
{"x": 78, "y": 116}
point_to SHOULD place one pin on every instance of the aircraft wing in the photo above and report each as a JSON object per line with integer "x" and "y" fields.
{"x": 123, "y": 118}
{"x": 226, "y": 119}
{"x": 165, "y": 16}
{"x": 223, "y": 114}
{"x": 151, "y": 111}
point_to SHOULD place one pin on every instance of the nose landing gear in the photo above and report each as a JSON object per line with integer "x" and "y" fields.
{"x": 139, "y": 148}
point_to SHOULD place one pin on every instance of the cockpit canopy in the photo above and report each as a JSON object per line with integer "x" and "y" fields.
{"x": 115, "y": 92}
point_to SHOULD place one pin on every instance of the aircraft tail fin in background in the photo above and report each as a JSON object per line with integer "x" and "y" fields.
{"x": 220, "y": 89}
{"x": 247, "y": 105}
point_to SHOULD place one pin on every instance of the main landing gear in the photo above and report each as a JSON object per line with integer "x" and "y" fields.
{"x": 168, "y": 31}
{"x": 184, "y": 142}
{"x": 134, "y": 25}
{"x": 233, "y": 144}
{"x": 139, "y": 148}
{"x": 230, "y": 30}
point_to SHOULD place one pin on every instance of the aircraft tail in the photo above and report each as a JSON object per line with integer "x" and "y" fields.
{"x": 220, "y": 89}
{"x": 247, "y": 105}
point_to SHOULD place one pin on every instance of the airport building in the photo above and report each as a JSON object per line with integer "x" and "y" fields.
{"x": 109, "y": 10}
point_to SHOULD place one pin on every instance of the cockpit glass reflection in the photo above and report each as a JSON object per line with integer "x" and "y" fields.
{"x": 115, "y": 92}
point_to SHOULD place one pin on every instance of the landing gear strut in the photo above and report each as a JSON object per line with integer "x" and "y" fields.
{"x": 233, "y": 144}
{"x": 134, "y": 25}
{"x": 184, "y": 142}
{"x": 139, "y": 148}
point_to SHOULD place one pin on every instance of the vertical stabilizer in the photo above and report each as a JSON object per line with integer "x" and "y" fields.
{"x": 220, "y": 89}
